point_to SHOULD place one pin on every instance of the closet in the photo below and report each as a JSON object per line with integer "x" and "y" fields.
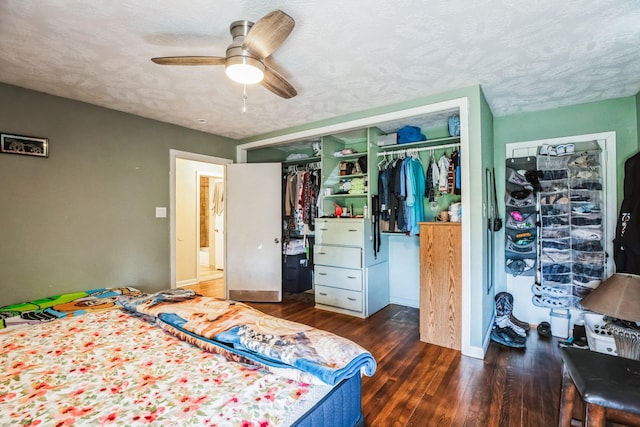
{"x": 438, "y": 224}
{"x": 435, "y": 181}
{"x": 359, "y": 266}
{"x": 300, "y": 191}
{"x": 372, "y": 184}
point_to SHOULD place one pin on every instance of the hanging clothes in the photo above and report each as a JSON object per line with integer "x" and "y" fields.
{"x": 301, "y": 195}
{"x": 311, "y": 191}
{"x": 458, "y": 185}
{"x": 287, "y": 196}
{"x": 626, "y": 245}
{"x": 218, "y": 197}
{"x": 443, "y": 173}
{"x": 451, "y": 173}
{"x": 383, "y": 190}
{"x": 414, "y": 201}
{"x": 454, "y": 173}
{"x": 400, "y": 195}
{"x": 431, "y": 179}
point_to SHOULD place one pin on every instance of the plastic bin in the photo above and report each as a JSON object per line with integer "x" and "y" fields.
{"x": 598, "y": 337}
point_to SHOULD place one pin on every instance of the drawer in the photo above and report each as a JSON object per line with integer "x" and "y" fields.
{"x": 344, "y": 278}
{"x": 337, "y": 256}
{"x": 339, "y": 232}
{"x": 341, "y": 298}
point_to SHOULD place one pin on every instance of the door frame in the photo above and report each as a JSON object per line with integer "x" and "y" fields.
{"x": 173, "y": 156}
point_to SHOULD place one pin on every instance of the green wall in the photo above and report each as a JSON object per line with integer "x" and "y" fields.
{"x": 85, "y": 217}
{"x": 619, "y": 115}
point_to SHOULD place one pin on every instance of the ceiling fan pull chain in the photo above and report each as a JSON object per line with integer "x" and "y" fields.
{"x": 244, "y": 100}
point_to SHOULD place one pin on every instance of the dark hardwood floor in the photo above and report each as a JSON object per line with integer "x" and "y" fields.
{"x": 418, "y": 384}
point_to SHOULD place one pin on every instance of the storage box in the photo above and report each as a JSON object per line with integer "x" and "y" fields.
{"x": 598, "y": 337}
{"x": 296, "y": 274}
{"x": 559, "y": 319}
{"x": 389, "y": 139}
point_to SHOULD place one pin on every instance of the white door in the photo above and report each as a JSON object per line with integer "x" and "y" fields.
{"x": 253, "y": 231}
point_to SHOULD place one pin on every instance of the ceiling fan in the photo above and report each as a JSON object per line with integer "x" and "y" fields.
{"x": 247, "y": 58}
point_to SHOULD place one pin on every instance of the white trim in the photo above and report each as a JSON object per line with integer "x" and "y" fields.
{"x": 173, "y": 156}
{"x": 186, "y": 282}
{"x": 476, "y": 352}
{"x": 487, "y": 337}
{"x": 466, "y": 348}
{"x": 407, "y": 302}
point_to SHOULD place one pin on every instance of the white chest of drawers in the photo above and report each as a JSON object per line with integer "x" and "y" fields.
{"x": 349, "y": 277}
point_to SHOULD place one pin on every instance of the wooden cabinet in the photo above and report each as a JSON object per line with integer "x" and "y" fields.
{"x": 348, "y": 277}
{"x": 441, "y": 284}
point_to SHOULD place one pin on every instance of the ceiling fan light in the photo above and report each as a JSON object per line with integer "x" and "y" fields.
{"x": 245, "y": 70}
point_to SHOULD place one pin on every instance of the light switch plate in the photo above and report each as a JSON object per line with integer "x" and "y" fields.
{"x": 161, "y": 212}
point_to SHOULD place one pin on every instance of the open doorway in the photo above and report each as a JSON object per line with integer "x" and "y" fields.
{"x": 211, "y": 232}
{"x": 197, "y": 223}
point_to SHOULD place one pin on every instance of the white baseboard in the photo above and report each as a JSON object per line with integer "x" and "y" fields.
{"x": 404, "y": 301}
{"x": 187, "y": 282}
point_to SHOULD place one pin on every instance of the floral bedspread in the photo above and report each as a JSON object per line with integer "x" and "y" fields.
{"x": 110, "y": 368}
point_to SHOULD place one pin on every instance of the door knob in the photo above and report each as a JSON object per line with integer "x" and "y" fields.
{"x": 276, "y": 240}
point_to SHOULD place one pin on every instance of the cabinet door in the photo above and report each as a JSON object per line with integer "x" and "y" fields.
{"x": 441, "y": 284}
{"x": 337, "y": 256}
{"x": 345, "y": 278}
{"x": 341, "y": 298}
{"x": 340, "y": 232}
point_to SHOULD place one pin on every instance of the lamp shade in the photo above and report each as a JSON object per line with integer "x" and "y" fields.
{"x": 618, "y": 297}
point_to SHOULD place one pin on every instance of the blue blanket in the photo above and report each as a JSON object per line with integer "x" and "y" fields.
{"x": 235, "y": 328}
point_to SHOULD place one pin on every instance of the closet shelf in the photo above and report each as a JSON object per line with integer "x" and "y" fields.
{"x": 348, "y": 156}
{"x": 428, "y": 143}
{"x": 358, "y": 175}
{"x": 345, "y": 195}
{"x": 301, "y": 161}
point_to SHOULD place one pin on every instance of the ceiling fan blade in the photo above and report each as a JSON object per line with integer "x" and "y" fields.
{"x": 277, "y": 84}
{"x": 268, "y": 33}
{"x": 189, "y": 60}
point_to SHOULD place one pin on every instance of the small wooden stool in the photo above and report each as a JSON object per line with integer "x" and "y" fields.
{"x": 608, "y": 385}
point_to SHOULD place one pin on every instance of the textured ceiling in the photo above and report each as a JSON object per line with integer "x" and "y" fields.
{"x": 342, "y": 56}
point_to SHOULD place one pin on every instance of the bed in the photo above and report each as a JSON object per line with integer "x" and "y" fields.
{"x": 118, "y": 356}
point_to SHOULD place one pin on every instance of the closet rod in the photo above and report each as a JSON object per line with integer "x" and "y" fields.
{"x": 434, "y": 147}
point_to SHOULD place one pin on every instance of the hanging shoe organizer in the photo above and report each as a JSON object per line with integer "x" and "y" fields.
{"x": 572, "y": 256}
{"x": 521, "y": 232}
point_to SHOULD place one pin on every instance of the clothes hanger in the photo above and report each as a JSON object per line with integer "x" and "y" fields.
{"x": 382, "y": 163}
